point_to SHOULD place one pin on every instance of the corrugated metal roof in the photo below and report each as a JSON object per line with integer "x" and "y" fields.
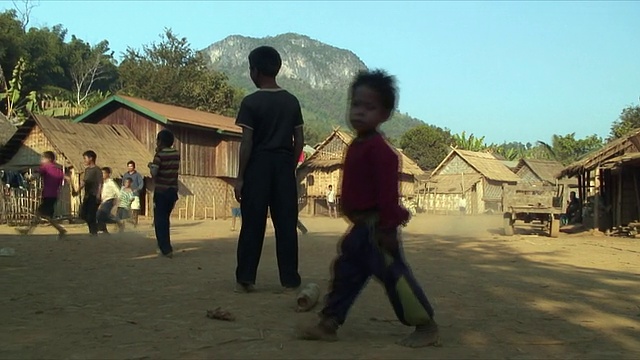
{"x": 165, "y": 113}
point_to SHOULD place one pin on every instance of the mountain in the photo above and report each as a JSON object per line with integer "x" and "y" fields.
{"x": 317, "y": 73}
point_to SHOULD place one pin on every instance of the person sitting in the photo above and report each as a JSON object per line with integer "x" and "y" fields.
{"x": 574, "y": 209}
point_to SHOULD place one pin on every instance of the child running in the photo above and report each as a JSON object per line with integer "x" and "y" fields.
{"x": 370, "y": 201}
{"x": 92, "y": 186}
{"x": 109, "y": 196}
{"x": 52, "y": 177}
{"x": 125, "y": 200}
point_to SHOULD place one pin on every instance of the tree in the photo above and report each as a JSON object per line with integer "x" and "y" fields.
{"x": 426, "y": 144}
{"x": 24, "y": 9}
{"x": 567, "y": 149}
{"x": 172, "y": 72}
{"x": 89, "y": 66}
{"x": 628, "y": 121}
{"x": 11, "y": 95}
{"x": 471, "y": 143}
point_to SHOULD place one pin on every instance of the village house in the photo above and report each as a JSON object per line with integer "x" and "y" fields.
{"x": 324, "y": 168}
{"x": 545, "y": 172}
{"x": 608, "y": 181}
{"x": 209, "y": 146}
{"x": 114, "y": 144}
{"x": 476, "y": 176}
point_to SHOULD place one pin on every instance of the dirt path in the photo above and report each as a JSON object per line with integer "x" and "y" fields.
{"x": 496, "y": 297}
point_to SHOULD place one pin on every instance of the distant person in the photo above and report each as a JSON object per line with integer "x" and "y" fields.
{"x": 462, "y": 205}
{"x": 137, "y": 186}
{"x": 108, "y": 202}
{"x": 236, "y": 213}
{"x": 270, "y": 118}
{"x": 331, "y": 202}
{"x": 164, "y": 172}
{"x": 370, "y": 200}
{"x": 52, "y": 178}
{"x": 124, "y": 201}
{"x": 303, "y": 229}
{"x": 92, "y": 186}
{"x": 574, "y": 209}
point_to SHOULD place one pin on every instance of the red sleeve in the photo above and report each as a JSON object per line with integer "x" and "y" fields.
{"x": 386, "y": 165}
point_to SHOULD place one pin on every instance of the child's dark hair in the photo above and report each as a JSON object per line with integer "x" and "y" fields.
{"x": 166, "y": 137}
{"x": 90, "y": 154}
{"x": 132, "y": 163}
{"x": 107, "y": 170}
{"x": 380, "y": 82}
{"x": 49, "y": 155}
{"x": 266, "y": 60}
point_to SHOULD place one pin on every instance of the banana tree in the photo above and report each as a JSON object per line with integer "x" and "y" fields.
{"x": 471, "y": 143}
{"x": 11, "y": 94}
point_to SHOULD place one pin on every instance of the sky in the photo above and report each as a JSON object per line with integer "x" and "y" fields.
{"x": 511, "y": 71}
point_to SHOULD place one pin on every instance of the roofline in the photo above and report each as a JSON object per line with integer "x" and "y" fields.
{"x": 123, "y": 101}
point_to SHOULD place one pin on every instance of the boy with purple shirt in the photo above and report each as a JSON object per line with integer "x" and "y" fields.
{"x": 52, "y": 178}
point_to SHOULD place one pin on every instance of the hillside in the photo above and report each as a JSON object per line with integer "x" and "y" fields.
{"x": 319, "y": 74}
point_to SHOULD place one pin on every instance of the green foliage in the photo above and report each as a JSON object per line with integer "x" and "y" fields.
{"x": 426, "y": 144}
{"x": 171, "y": 72}
{"x": 628, "y": 121}
{"x": 567, "y": 149}
{"x": 15, "y": 103}
{"x": 55, "y": 69}
{"x": 471, "y": 143}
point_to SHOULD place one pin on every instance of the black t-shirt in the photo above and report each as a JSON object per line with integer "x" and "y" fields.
{"x": 272, "y": 115}
{"x": 92, "y": 181}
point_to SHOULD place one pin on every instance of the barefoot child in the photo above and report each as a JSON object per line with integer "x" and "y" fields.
{"x": 164, "y": 172}
{"x": 370, "y": 202}
{"x": 52, "y": 177}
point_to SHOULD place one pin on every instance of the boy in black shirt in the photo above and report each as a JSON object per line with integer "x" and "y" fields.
{"x": 92, "y": 185}
{"x": 272, "y": 141}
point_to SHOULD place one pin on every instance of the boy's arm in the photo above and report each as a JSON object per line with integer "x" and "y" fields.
{"x": 246, "y": 145}
{"x": 245, "y": 120}
{"x": 298, "y": 135}
{"x": 154, "y": 169}
{"x": 386, "y": 165}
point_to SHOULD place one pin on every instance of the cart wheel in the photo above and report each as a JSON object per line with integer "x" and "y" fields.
{"x": 554, "y": 227}
{"x": 507, "y": 224}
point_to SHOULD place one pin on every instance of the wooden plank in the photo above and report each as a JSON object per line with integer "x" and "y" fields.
{"x": 635, "y": 188}
{"x": 619, "y": 200}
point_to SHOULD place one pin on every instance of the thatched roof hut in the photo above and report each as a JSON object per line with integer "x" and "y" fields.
{"x": 533, "y": 170}
{"x": 114, "y": 144}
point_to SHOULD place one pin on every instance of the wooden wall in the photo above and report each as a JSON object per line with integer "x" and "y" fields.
{"x": 203, "y": 151}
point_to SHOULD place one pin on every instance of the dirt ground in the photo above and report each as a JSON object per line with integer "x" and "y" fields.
{"x": 520, "y": 297}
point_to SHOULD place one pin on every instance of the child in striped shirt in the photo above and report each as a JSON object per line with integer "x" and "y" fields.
{"x": 125, "y": 200}
{"x": 164, "y": 172}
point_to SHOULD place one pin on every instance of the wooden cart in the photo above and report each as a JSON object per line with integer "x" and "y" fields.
{"x": 533, "y": 205}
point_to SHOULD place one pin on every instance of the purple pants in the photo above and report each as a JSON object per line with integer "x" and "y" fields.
{"x": 360, "y": 258}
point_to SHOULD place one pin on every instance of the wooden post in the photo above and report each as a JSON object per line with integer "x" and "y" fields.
{"x": 193, "y": 211}
{"x": 635, "y": 188}
{"x": 596, "y": 201}
{"x": 619, "y": 200}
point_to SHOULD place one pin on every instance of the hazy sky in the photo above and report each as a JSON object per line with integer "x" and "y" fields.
{"x": 507, "y": 70}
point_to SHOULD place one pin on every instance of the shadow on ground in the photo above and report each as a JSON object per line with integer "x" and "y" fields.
{"x": 495, "y": 297}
